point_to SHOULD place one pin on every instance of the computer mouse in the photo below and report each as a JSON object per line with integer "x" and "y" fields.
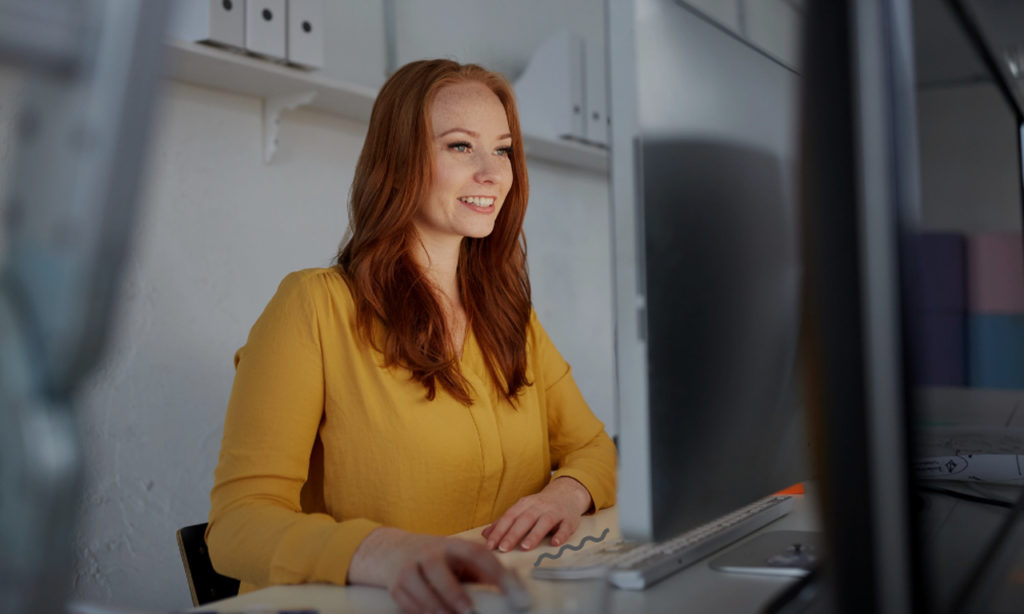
{"x": 489, "y": 600}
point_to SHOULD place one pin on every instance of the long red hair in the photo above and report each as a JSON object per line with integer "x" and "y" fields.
{"x": 392, "y": 177}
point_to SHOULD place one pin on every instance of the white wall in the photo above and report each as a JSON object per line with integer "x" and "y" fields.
{"x": 501, "y": 35}
{"x": 218, "y": 230}
{"x": 970, "y": 181}
{"x": 568, "y": 237}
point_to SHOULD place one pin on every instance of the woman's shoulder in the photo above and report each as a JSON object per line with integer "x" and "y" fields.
{"x": 322, "y": 276}
{"x": 541, "y": 349}
{"x": 323, "y": 286}
{"x": 538, "y": 344}
{"x": 534, "y": 330}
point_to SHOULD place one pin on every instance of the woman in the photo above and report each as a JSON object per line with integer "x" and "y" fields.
{"x": 409, "y": 392}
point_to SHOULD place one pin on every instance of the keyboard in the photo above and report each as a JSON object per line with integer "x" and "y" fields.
{"x": 635, "y": 565}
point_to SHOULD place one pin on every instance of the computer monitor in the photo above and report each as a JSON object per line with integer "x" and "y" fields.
{"x": 706, "y": 268}
{"x": 731, "y": 168}
{"x": 911, "y": 135}
{"x": 911, "y": 147}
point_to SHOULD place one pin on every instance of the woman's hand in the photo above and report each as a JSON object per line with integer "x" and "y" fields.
{"x": 424, "y": 573}
{"x": 556, "y": 508}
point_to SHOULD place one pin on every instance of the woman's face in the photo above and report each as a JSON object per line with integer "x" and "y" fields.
{"x": 470, "y": 148}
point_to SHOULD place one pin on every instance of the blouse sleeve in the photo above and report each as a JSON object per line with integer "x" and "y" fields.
{"x": 580, "y": 447}
{"x": 257, "y": 530}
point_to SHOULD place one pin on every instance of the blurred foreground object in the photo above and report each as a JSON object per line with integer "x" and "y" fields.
{"x": 92, "y": 68}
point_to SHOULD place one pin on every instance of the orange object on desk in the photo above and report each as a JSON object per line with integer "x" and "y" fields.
{"x": 795, "y": 489}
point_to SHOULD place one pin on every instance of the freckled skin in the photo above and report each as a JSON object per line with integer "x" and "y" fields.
{"x": 470, "y": 136}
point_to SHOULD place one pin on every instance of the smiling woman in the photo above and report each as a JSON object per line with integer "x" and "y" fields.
{"x": 472, "y": 169}
{"x": 410, "y": 392}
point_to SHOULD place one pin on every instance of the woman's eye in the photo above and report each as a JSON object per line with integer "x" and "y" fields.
{"x": 459, "y": 147}
{"x": 504, "y": 151}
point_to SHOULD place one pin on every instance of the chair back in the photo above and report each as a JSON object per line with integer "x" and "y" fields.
{"x": 204, "y": 583}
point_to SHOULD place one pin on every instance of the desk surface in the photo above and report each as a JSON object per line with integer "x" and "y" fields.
{"x": 699, "y": 588}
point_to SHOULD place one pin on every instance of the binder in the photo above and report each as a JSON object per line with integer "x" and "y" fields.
{"x": 305, "y": 33}
{"x": 265, "y": 28}
{"x": 220, "y": 22}
{"x": 550, "y": 91}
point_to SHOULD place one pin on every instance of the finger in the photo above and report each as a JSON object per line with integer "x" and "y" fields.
{"x": 474, "y": 561}
{"x": 487, "y": 568}
{"x": 444, "y": 584}
{"x": 564, "y": 532}
{"x": 487, "y": 531}
{"x": 412, "y": 581}
{"x": 518, "y": 529}
{"x": 403, "y": 600}
{"x": 502, "y": 526}
{"x": 538, "y": 532}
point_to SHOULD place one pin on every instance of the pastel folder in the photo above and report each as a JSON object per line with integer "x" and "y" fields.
{"x": 937, "y": 280}
{"x": 995, "y": 273}
{"x": 937, "y": 348}
{"x": 995, "y": 350}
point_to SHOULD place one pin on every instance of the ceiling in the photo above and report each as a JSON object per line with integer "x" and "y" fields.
{"x": 943, "y": 50}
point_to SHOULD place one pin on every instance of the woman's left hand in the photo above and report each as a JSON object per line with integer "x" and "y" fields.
{"x": 556, "y": 508}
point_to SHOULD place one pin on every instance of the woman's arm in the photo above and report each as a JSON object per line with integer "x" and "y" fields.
{"x": 583, "y": 458}
{"x": 424, "y": 573}
{"x": 258, "y": 531}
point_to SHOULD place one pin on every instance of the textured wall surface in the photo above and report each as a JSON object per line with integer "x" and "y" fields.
{"x": 218, "y": 230}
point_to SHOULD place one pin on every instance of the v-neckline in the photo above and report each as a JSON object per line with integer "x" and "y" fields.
{"x": 465, "y": 342}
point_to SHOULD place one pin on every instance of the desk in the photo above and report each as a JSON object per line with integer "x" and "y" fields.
{"x": 697, "y": 589}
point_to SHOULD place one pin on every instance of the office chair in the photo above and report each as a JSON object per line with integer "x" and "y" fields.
{"x": 204, "y": 583}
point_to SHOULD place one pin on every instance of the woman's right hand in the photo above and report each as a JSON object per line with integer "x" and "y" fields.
{"x": 424, "y": 573}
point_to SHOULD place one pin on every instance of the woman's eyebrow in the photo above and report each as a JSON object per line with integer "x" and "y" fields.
{"x": 471, "y": 133}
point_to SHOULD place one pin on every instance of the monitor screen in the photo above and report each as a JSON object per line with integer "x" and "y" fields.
{"x": 866, "y": 202}
{"x": 963, "y": 295}
{"x": 911, "y": 182}
{"x": 706, "y": 270}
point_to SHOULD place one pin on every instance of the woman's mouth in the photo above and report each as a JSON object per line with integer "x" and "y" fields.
{"x": 480, "y": 204}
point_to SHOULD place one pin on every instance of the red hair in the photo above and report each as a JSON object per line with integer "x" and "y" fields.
{"x": 392, "y": 177}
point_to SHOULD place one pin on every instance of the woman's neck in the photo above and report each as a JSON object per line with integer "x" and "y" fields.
{"x": 440, "y": 263}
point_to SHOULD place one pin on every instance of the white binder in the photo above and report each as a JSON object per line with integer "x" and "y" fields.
{"x": 550, "y": 91}
{"x": 221, "y": 22}
{"x": 306, "y": 33}
{"x": 265, "y": 27}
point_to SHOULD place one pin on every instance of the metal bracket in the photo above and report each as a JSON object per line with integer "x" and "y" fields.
{"x": 272, "y": 108}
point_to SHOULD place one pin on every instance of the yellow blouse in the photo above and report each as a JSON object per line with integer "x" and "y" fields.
{"x": 322, "y": 444}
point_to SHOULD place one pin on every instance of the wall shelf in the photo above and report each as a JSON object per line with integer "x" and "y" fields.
{"x": 234, "y": 72}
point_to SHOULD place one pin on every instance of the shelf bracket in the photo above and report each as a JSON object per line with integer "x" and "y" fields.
{"x": 272, "y": 108}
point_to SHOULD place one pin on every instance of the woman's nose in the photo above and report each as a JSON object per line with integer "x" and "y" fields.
{"x": 489, "y": 168}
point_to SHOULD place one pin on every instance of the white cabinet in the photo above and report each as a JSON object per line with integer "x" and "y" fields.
{"x": 550, "y": 91}
{"x": 562, "y": 94}
{"x": 725, "y": 13}
{"x": 773, "y": 27}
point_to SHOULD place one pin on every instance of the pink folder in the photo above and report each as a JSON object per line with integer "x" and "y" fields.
{"x": 995, "y": 273}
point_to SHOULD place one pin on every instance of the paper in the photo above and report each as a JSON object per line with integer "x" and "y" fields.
{"x": 960, "y": 440}
{"x": 993, "y": 468}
